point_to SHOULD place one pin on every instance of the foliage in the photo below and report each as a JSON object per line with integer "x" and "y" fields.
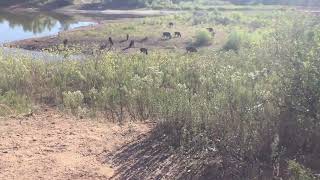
{"x": 298, "y": 171}
{"x": 13, "y": 103}
{"x": 73, "y": 100}
{"x": 203, "y": 38}
{"x": 233, "y": 42}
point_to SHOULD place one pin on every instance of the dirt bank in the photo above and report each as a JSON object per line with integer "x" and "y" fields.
{"x": 51, "y": 145}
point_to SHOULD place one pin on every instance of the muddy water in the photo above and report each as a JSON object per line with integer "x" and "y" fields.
{"x": 24, "y": 25}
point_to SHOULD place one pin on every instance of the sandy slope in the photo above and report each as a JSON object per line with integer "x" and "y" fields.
{"x": 51, "y": 145}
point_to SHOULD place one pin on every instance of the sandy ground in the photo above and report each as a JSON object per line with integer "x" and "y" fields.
{"x": 51, "y": 145}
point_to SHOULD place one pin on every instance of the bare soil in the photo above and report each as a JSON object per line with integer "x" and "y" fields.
{"x": 52, "y": 145}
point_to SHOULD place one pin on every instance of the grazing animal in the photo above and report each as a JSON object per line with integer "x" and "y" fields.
{"x": 210, "y": 29}
{"x": 177, "y": 34}
{"x": 127, "y": 38}
{"x": 110, "y": 41}
{"x": 144, "y": 50}
{"x": 191, "y": 49}
{"x": 166, "y": 35}
{"x": 170, "y": 24}
{"x": 131, "y": 45}
{"x": 65, "y": 43}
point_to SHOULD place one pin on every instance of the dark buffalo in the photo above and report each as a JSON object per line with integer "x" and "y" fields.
{"x": 131, "y": 44}
{"x": 144, "y": 50}
{"x": 177, "y": 34}
{"x": 65, "y": 43}
{"x": 166, "y": 35}
{"x": 210, "y": 29}
{"x": 191, "y": 49}
{"x": 110, "y": 41}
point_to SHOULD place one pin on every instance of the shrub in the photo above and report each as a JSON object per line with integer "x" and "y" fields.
{"x": 233, "y": 42}
{"x": 203, "y": 38}
{"x": 299, "y": 172}
{"x": 73, "y": 100}
{"x": 13, "y": 103}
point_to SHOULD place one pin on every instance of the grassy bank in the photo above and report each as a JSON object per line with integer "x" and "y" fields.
{"x": 255, "y": 101}
{"x": 148, "y": 33}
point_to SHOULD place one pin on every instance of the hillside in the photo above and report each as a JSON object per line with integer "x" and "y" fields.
{"x": 78, "y": 4}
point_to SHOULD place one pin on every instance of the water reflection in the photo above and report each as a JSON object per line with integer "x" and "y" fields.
{"x": 17, "y": 26}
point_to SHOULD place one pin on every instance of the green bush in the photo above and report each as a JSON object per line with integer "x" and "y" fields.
{"x": 73, "y": 100}
{"x": 233, "y": 42}
{"x": 203, "y": 38}
{"x": 13, "y": 103}
{"x": 299, "y": 172}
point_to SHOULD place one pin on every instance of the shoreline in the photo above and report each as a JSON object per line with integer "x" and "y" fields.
{"x": 23, "y": 43}
{"x": 113, "y": 15}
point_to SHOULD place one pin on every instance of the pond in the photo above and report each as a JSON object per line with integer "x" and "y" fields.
{"x": 18, "y": 26}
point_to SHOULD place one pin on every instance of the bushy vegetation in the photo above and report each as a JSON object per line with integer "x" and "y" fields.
{"x": 73, "y": 100}
{"x": 234, "y": 41}
{"x": 257, "y": 106}
{"x": 203, "y": 38}
{"x": 298, "y": 171}
{"x": 13, "y": 103}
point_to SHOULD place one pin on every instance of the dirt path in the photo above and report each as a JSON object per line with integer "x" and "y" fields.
{"x": 51, "y": 145}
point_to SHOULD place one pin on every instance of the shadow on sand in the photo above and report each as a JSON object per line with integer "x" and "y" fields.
{"x": 149, "y": 157}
